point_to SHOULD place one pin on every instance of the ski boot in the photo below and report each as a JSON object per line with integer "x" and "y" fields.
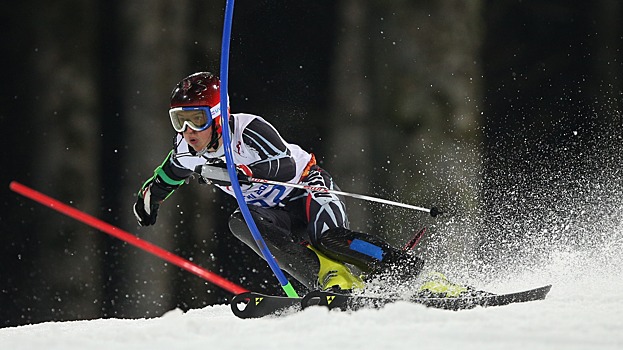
{"x": 399, "y": 268}
{"x": 335, "y": 276}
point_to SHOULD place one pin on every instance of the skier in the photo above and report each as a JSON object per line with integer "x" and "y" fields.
{"x": 306, "y": 231}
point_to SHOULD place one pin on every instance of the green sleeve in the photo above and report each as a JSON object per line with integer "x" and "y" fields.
{"x": 164, "y": 181}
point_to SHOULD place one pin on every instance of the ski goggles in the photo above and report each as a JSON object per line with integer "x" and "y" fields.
{"x": 196, "y": 118}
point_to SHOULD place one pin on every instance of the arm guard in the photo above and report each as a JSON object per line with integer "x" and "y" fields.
{"x": 166, "y": 179}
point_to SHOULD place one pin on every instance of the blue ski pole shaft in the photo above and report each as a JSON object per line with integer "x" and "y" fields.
{"x": 231, "y": 167}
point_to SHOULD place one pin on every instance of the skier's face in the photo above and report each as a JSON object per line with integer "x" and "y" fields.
{"x": 198, "y": 140}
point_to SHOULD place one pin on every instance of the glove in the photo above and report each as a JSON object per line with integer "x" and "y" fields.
{"x": 145, "y": 209}
{"x": 215, "y": 171}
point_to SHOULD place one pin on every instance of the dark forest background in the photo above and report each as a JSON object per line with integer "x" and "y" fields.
{"x": 491, "y": 110}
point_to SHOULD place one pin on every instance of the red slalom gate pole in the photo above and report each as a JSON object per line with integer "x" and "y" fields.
{"x": 127, "y": 237}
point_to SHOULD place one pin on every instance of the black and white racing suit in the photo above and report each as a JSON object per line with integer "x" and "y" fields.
{"x": 287, "y": 218}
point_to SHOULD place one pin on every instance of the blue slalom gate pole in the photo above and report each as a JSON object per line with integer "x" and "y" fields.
{"x": 231, "y": 167}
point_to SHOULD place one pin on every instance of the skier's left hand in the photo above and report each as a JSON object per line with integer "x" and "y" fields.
{"x": 145, "y": 209}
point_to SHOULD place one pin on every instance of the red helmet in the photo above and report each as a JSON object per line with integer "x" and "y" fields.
{"x": 199, "y": 92}
{"x": 201, "y": 89}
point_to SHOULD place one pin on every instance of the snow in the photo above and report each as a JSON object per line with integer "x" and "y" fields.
{"x": 583, "y": 311}
{"x": 574, "y": 243}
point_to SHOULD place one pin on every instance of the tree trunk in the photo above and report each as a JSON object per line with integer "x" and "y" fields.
{"x": 605, "y": 63}
{"x": 406, "y": 119}
{"x": 162, "y": 43}
{"x": 65, "y": 146}
{"x": 151, "y": 38}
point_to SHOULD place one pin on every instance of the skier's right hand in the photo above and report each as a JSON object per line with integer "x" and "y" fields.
{"x": 216, "y": 172}
{"x": 145, "y": 209}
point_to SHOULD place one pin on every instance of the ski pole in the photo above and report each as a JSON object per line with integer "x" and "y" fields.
{"x": 432, "y": 211}
{"x": 127, "y": 237}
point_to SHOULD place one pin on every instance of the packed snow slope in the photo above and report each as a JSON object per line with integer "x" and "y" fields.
{"x": 583, "y": 311}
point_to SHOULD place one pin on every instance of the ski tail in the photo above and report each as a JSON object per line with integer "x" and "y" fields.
{"x": 256, "y": 305}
